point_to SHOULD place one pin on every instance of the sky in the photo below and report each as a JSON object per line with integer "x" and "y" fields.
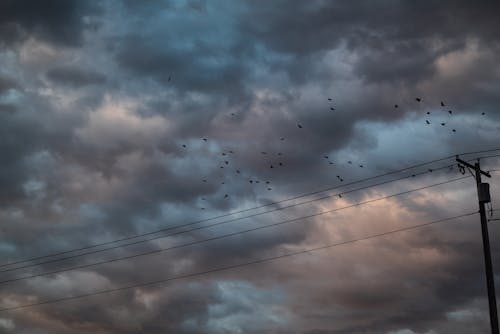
{"x": 248, "y": 157}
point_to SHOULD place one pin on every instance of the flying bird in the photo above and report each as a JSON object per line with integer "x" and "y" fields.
{"x": 299, "y": 126}
{"x": 450, "y": 112}
{"x": 205, "y": 139}
{"x": 454, "y": 130}
{"x": 282, "y": 138}
{"x": 226, "y": 196}
{"x": 395, "y": 106}
{"x": 184, "y": 145}
{"x": 418, "y": 99}
{"x": 332, "y": 109}
{"x": 442, "y": 104}
{"x": 329, "y": 99}
{"x": 427, "y": 121}
{"x": 443, "y": 124}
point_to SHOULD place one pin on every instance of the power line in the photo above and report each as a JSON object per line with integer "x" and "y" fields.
{"x": 221, "y": 216}
{"x": 235, "y": 266}
{"x": 288, "y": 221}
{"x": 214, "y": 224}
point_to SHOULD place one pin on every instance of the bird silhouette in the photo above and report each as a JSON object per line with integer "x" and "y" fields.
{"x": 450, "y": 112}
{"x": 280, "y": 163}
{"x": 443, "y": 124}
{"x": 396, "y": 106}
{"x": 282, "y": 138}
{"x": 329, "y": 99}
{"x": 205, "y": 139}
{"x": 442, "y": 104}
{"x": 483, "y": 113}
{"x": 184, "y": 145}
{"x": 332, "y": 109}
{"x": 325, "y": 156}
{"x": 226, "y": 196}
{"x": 454, "y": 130}
{"x": 427, "y": 121}
{"x": 299, "y": 126}
{"x": 271, "y": 166}
{"x": 418, "y": 99}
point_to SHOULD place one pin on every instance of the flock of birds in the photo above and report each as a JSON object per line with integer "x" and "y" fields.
{"x": 276, "y": 161}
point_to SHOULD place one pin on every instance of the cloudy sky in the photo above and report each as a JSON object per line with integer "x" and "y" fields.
{"x": 213, "y": 135}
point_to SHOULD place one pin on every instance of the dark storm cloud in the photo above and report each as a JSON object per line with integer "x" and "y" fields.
{"x": 96, "y": 153}
{"x": 57, "y": 21}
{"x": 75, "y": 77}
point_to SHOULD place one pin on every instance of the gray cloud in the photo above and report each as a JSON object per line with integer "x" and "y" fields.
{"x": 103, "y": 112}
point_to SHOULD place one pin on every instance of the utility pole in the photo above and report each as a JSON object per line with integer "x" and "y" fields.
{"x": 483, "y": 193}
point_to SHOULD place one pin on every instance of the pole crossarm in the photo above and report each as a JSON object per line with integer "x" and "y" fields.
{"x": 465, "y": 163}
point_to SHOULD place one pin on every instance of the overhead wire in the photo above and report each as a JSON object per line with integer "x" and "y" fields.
{"x": 288, "y": 221}
{"x": 213, "y": 224}
{"x": 242, "y": 210}
{"x": 231, "y": 267}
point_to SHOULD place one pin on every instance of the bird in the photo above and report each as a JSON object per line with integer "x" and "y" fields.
{"x": 418, "y": 99}
{"x": 169, "y": 78}
{"x": 221, "y": 166}
{"x": 331, "y": 163}
{"x": 396, "y": 106}
{"x": 325, "y": 156}
{"x": 203, "y": 208}
{"x": 442, "y": 104}
{"x": 280, "y": 163}
{"x": 332, "y": 109}
{"x": 430, "y": 170}
{"x": 226, "y": 196}
{"x": 184, "y": 145}
{"x": 204, "y": 180}
{"x": 263, "y": 152}
{"x": 427, "y": 121}
{"x": 360, "y": 166}
{"x": 279, "y": 153}
{"x": 282, "y": 138}
{"x": 269, "y": 189}
{"x": 251, "y": 181}
{"x": 231, "y": 152}
{"x": 299, "y": 126}
{"x": 450, "y": 112}
{"x": 329, "y": 99}
{"x": 223, "y": 153}
{"x": 226, "y": 162}
{"x": 267, "y": 182}
{"x": 237, "y": 171}
{"x": 349, "y": 162}
{"x": 454, "y": 130}
{"x": 205, "y": 139}
{"x": 443, "y": 124}
{"x": 340, "y": 195}
{"x": 428, "y": 113}
{"x": 232, "y": 114}
{"x": 271, "y": 166}
{"x": 483, "y": 113}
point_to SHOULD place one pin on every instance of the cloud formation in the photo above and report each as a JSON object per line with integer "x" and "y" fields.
{"x": 120, "y": 118}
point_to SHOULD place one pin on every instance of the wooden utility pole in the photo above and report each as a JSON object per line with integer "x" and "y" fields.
{"x": 483, "y": 193}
